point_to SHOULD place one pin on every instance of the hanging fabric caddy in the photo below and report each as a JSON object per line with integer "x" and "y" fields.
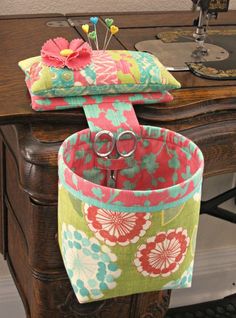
{"x": 129, "y": 195}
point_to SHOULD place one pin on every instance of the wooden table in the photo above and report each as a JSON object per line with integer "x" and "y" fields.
{"x": 204, "y": 110}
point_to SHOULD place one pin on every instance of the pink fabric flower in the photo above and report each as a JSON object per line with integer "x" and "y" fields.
{"x": 60, "y": 53}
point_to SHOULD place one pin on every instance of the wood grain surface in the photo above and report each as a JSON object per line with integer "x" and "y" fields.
{"x": 21, "y": 39}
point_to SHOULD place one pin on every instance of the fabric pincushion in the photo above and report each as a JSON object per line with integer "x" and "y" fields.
{"x": 71, "y": 70}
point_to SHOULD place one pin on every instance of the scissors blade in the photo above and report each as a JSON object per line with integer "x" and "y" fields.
{"x": 111, "y": 178}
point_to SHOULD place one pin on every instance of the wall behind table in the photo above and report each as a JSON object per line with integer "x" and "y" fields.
{"x": 62, "y": 6}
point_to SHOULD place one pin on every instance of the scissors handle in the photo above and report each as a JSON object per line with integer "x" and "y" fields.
{"x": 109, "y": 137}
{"x": 131, "y": 135}
{"x": 106, "y": 136}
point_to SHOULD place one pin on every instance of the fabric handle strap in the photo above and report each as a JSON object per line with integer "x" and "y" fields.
{"x": 113, "y": 116}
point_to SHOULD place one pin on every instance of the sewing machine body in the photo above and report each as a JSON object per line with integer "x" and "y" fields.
{"x": 204, "y": 50}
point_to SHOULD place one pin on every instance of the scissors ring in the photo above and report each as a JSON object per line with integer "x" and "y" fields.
{"x": 131, "y": 134}
{"x": 96, "y": 141}
{"x": 114, "y": 143}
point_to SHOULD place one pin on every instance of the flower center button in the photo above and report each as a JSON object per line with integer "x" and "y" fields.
{"x": 66, "y": 52}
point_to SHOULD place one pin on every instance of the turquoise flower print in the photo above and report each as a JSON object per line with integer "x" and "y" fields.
{"x": 149, "y": 163}
{"x": 91, "y": 267}
{"x": 115, "y": 117}
{"x": 185, "y": 281}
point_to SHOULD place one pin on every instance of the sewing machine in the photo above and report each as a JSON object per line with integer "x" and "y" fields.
{"x": 206, "y": 51}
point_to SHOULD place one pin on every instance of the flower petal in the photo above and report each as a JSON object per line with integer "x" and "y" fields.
{"x": 80, "y": 57}
{"x": 76, "y": 44}
{"x": 77, "y": 63}
{"x": 50, "y": 52}
{"x": 61, "y": 43}
{"x": 54, "y": 46}
{"x": 53, "y": 61}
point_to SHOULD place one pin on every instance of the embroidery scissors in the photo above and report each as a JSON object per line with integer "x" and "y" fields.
{"x": 114, "y": 143}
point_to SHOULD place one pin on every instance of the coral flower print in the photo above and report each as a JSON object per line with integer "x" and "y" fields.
{"x": 163, "y": 253}
{"x": 34, "y": 71}
{"x": 116, "y": 227}
{"x": 59, "y": 53}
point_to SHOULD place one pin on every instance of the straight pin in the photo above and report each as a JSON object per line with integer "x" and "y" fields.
{"x": 94, "y": 21}
{"x": 109, "y": 23}
{"x": 113, "y": 29}
{"x": 85, "y": 28}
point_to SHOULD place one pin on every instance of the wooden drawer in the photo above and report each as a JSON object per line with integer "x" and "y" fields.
{"x": 38, "y": 223}
{"x": 17, "y": 257}
{"x": 2, "y": 160}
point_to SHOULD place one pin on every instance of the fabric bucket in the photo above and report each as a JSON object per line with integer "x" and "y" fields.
{"x": 139, "y": 236}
